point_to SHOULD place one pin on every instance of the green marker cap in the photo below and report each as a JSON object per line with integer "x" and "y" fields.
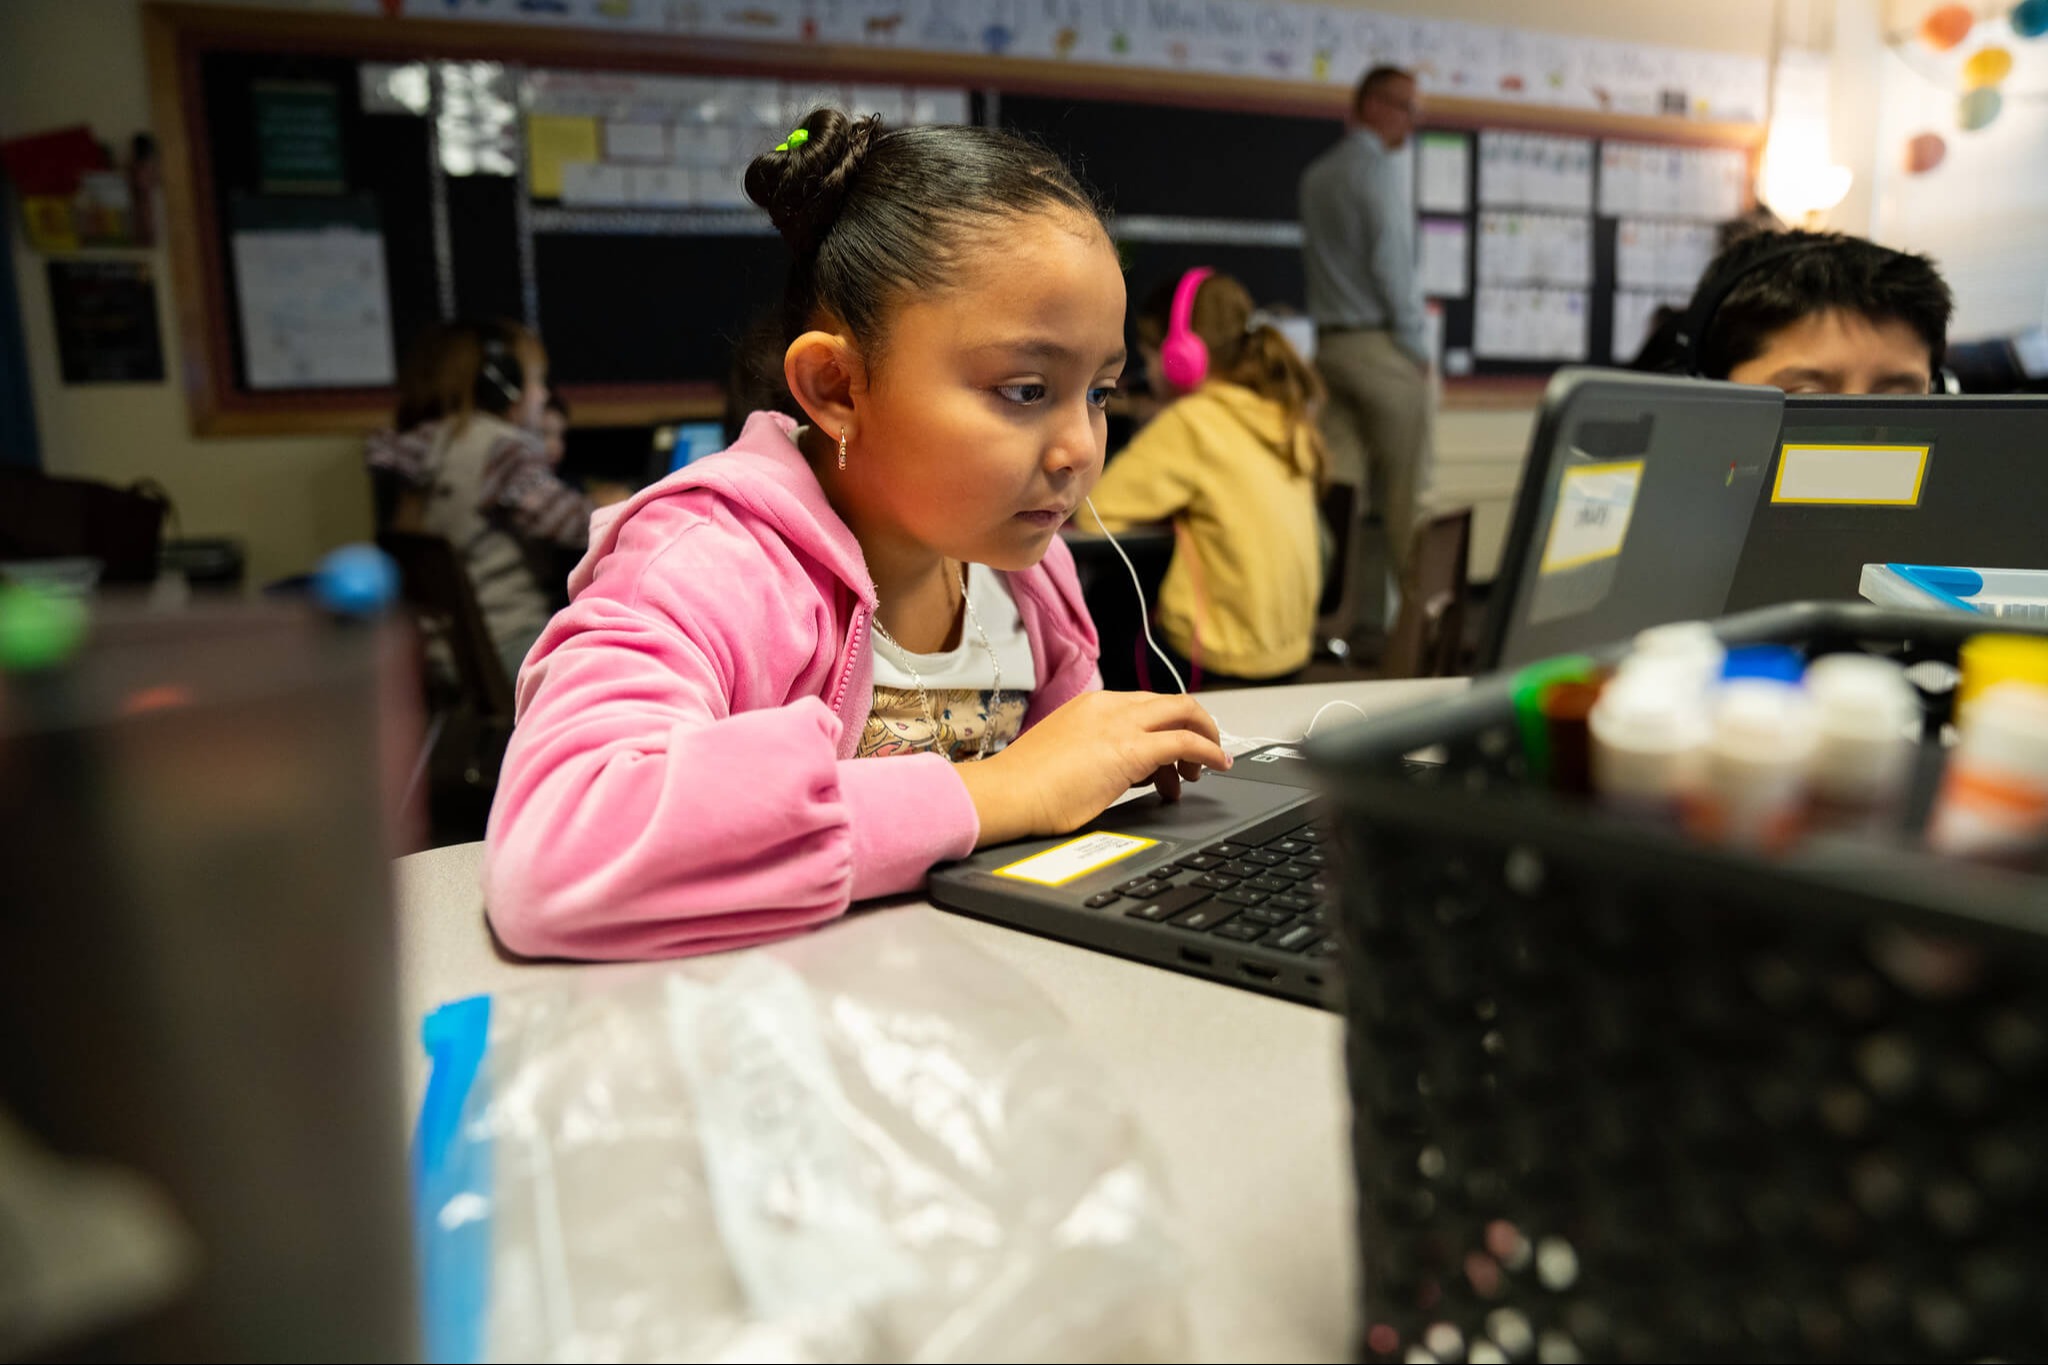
{"x": 38, "y": 629}
{"x": 1528, "y": 688}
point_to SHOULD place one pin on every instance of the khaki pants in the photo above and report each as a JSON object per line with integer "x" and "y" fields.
{"x": 1377, "y": 425}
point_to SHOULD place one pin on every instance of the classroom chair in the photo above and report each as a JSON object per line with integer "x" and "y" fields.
{"x": 469, "y": 712}
{"x": 1428, "y": 638}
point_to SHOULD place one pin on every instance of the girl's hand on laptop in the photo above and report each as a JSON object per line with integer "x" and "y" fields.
{"x": 1068, "y": 768}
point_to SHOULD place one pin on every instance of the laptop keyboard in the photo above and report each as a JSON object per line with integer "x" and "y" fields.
{"x": 1270, "y": 888}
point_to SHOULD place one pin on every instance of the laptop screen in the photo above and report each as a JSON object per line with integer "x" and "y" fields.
{"x": 1947, "y": 479}
{"x": 1634, "y": 505}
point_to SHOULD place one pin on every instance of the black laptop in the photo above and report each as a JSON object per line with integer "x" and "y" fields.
{"x": 1231, "y": 883}
{"x": 1935, "y": 479}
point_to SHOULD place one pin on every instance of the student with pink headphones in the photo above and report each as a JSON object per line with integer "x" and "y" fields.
{"x": 1236, "y": 463}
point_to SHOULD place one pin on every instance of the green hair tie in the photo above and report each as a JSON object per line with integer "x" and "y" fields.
{"x": 795, "y": 139}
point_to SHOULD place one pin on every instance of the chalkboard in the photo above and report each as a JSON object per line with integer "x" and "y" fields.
{"x": 1171, "y": 160}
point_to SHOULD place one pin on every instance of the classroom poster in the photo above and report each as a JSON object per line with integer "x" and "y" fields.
{"x": 614, "y": 139}
{"x": 314, "y": 304}
{"x": 106, "y": 320}
{"x": 553, "y": 143}
{"x": 1321, "y": 43}
{"x": 1441, "y": 253}
{"x": 298, "y": 137}
{"x": 1443, "y": 165}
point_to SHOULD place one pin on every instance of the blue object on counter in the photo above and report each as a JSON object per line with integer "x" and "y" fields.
{"x": 356, "y": 580}
{"x": 451, "y": 1176}
{"x": 1775, "y": 663}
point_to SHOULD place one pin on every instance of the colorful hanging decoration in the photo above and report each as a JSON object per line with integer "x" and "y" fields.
{"x": 1946, "y": 25}
{"x": 1978, "y": 108}
{"x": 1987, "y": 66}
{"x": 2030, "y": 18}
{"x": 1924, "y": 153}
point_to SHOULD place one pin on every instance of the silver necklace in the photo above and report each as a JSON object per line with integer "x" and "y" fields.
{"x": 924, "y": 697}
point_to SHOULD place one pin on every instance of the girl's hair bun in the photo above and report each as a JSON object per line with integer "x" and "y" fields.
{"x": 804, "y": 187}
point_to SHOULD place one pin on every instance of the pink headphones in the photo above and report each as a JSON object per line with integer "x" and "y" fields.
{"x": 1183, "y": 355}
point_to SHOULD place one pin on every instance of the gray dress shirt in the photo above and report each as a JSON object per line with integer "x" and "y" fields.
{"x": 1358, "y": 227}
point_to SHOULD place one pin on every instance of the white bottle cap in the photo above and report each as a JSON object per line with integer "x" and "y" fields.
{"x": 1690, "y": 645}
{"x": 1763, "y": 723}
{"x": 1864, "y": 698}
{"x": 1649, "y": 730}
{"x": 1680, "y": 637}
{"x": 1650, "y": 707}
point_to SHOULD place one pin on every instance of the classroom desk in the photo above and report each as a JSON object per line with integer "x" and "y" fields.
{"x": 1242, "y": 1096}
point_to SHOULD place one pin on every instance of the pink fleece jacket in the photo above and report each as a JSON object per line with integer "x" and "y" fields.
{"x": 681, "y": 778}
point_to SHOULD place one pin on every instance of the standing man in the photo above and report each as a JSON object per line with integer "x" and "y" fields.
{"x": 1365, "y": 294}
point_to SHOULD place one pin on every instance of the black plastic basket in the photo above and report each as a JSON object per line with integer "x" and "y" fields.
{"x": 1618, "y": 1095}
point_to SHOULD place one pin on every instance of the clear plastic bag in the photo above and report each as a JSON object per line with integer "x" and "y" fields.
{"x": 873, "y": 1143}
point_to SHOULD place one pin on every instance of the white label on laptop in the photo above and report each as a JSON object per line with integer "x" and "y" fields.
{"x": 1062, "y": 863}
{"x": 1851, "y": 476}
{"x": 1594, "y": 504}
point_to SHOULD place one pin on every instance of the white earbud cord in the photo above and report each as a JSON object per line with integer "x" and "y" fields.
{"x": 1230, "y": 741}
{"x": 1144, "y": 613}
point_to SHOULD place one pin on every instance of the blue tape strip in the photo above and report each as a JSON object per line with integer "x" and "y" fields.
{"x": 452, "y": 1190}
{"x": 1949, "y": 585}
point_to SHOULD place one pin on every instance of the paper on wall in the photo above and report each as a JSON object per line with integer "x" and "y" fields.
{"x": 633, "y": 141}
{"x": 595, "y": 184}
{"x": 1443, "y": 173}
{"x": 314, "y": 307}
{"x": 1442, "y": 250}
{"x": 553, "y": 141}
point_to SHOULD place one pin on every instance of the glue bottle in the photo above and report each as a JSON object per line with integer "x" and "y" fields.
{"x": 1994, "y": 796}
{"x": 1868, "y": 718}
{"x": 1649, "y": 732}
{"x": 1753, "y": 788}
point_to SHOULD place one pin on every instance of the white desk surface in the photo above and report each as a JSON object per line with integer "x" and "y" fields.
{"x": 1241, "y": 1095}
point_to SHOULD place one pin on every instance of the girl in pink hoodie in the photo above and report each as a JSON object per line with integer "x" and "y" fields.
{"x": 800, "y": 672}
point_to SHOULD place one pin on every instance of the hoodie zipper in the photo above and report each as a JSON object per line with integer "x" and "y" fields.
{"x": 854, "y": 641}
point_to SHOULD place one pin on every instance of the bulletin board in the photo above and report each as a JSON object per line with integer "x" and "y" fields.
{"x": 1542, "y": 241}
{"x": 337, "y": 182}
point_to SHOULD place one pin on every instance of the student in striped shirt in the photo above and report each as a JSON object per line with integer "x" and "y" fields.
{"x": 468, "y": 456}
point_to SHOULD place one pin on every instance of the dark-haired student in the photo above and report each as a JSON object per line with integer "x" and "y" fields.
{"x": 1815, "y": 312}
{"x": 800, "y": 672}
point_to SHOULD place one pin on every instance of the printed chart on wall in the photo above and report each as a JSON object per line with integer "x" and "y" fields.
{"x": 620, "y": 140}
{"x": 314, "y": 309}
{"x": 106, "y": 322}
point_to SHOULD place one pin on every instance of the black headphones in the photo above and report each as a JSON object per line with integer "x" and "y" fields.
{"x": 500, "y": 378}
{"x": 1708, "y": 298}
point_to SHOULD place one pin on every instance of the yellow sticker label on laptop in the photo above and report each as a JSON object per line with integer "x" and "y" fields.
{"x": 1594, "y": 504}
{"x": 1850, "y": 476}
{"x": 1077, "y": 857}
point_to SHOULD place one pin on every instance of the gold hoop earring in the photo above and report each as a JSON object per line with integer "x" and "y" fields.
{"x": 842, "y": 450}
